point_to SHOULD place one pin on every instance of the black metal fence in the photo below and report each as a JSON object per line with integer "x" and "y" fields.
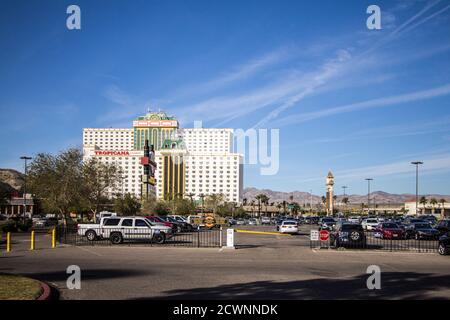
{"x": 373, "y": 240}
{"x": 202, "y": 238}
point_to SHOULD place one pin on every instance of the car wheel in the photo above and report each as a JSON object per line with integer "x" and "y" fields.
{"x": 442, "y": 250}
{"x": 91, "y": 235}
{"x": 116, "y": 238}
{"x": 159, "y": 238}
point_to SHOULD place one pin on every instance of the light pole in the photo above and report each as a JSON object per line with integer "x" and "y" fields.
{"x": 417, "y": 163}
{"x": 368, "y": 195}
{"x": 310, "y": 201}
{"x": 344, "y": 187}
{"x": 25, "y": 158}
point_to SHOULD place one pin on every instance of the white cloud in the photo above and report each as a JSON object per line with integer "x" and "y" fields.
{"x": 374, "y": 103}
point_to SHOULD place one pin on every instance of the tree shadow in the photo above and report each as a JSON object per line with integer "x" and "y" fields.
{"x": 86, "y": 274}
{"x": 394, "y": 285}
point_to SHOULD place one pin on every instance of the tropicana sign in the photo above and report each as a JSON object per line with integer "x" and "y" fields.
{"x": 112, "y": 153}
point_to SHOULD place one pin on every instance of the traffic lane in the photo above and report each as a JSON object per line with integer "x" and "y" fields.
{"x": 262, "y": 272}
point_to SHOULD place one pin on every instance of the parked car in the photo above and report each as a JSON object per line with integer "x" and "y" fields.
{"x": 444, "y": 244}
{"x": 348, "y": 234}
{"x": 240, "y": 222}
{"x": 265, "y": 220}
{"x": 178, "y": 225}
{"x": 327, "y": 223}
{"x": 369, "y": 223}
{"x": 422, "y": 230}
{"x": 118, "y": 229}
{"x": 354, "y": 219}
{"x": 252, "y": 222}
{"x": 389, "y": 230}
{"x": 185, "y": 227}
{"x": 443, "y": 226}
{"x": 158, "y": 220}
{"x": 288, "y": 226}
{"x": 430, "y": 218}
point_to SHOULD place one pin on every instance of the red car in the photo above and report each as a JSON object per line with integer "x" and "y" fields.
{"x": 157, "y": 219}
{"x": 389, "y": 230}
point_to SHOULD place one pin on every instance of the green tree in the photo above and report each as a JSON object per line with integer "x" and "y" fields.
{"x": 57, "y": 180}
{"x": 127, "y": 206}
{"x": 442, "y": 203}
{"x": 433, "y": 202}
{"x": 98, "y": 179}
{"x": 423, "y": 201}
{"x": 213, "y": 201}
{"x": 184, "y": 207}
{"x": 162, "y": 208}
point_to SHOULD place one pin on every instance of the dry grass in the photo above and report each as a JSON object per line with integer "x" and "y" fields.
{"x": 13, "y": 287}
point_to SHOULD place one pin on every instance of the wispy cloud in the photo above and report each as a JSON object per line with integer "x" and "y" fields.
{"x": 374, "y": 103}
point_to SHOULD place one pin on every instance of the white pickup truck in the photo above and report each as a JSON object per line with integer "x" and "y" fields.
{"x": 119, "y": 229}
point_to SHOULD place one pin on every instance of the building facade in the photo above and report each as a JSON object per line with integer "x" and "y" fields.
{"x": 190, "y": 161}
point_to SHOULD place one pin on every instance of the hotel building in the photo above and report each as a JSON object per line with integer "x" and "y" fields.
{"x": 189, "y": 161}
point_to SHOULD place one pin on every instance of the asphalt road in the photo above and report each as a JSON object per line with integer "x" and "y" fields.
{"x": 263, "y": 267}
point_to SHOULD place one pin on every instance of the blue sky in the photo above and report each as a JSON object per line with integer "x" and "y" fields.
{"x": 362, "y": 103}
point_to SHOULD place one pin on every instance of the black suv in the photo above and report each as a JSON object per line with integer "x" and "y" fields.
{"x": 444, "y": 244}
{"x": 443, "y": 226}
{"x": 348, "y": 234}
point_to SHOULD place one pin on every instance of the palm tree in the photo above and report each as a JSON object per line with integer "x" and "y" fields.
{"x": 279, "y": 206}
{"x": 284, "y": 206}
{"x": 423, "y": 201}
{"x": 191, "y": 196}
{"x": 244, "y": 201}
{"x": 260, "y": 198}
{"x": 433, "y": 203}
{"x": 202, "y": 197}
{"x": 442, "y": 202}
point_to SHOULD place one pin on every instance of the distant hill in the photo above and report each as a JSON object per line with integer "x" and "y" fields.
{"x": 302, "y": 197}
{"x": 11, "y": 180}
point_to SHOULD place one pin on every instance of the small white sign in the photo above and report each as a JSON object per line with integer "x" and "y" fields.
{"x": 230, "y": 238}
{"x": 314, "y": 235}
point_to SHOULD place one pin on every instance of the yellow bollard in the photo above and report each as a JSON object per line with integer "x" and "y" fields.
{"x": 54, "y": 238}
{"x": 8, "y": 242}
{"x": 33, "y": 238}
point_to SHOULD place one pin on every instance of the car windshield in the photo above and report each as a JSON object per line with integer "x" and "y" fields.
{"x": 328, "y": 220}
{"x": 390, "y": 225}
{"x": 371, "y": 221}
{"x": 351, "y": 227}
{"x": 289, "y": 223}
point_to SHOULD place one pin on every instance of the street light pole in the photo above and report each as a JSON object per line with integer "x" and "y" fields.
{"x": 344, "y": 187}
{"x": 368, "y": 195}
{"x": 310, "y": 201}
{"x": 25, "y": 158}
{"x": 417, "y": 163}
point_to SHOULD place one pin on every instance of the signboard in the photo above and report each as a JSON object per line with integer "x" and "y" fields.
{"x": 314, "y": 236}
{"x": 155, "y": 123}
{"x": 230, "y": 238}
{"x": 112, "y": 153}
{"x": 324, "y": 235}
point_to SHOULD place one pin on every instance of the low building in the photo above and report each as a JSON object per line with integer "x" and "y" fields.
{"x": 439, "y": 208}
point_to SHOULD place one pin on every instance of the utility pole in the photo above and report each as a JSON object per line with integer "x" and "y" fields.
{"x": 310, "y": 201}
{"x": 368, "y": 195}
{"x": 25, "y": 158}
{"x": 417, "y": 163}
{"x": 344, "y": 187}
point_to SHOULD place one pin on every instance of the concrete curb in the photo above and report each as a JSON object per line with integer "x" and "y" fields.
{"x": 46, "y": 292}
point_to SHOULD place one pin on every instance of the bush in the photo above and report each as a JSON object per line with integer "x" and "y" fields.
{"x": 24, "y": 225}
{"x": 8, "y": 226}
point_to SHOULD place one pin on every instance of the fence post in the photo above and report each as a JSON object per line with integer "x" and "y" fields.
{"x": 33, "y": 238}
{"x": 8, "y": 242}
{"x": 220, "y": 238}
{"x": 54, "y": 238}
{"x": 198, "y": 237}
